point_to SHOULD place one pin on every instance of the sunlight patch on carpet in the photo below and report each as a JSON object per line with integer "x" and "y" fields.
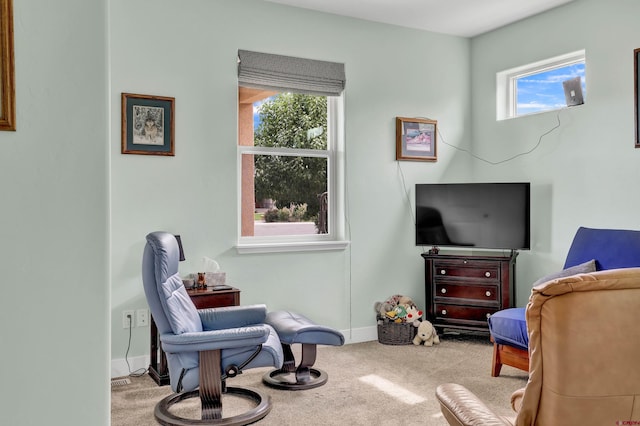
{"x": 392, "y": 389}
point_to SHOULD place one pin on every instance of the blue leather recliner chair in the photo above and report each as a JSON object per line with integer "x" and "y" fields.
{"x": 591, "y": 250}
{"x": 204, "y": 347}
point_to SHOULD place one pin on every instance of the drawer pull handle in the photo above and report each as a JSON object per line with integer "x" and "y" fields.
{"x": 443, "y": 272}
{"x": 444, "y": 312}
{"x": 444, "y": 290}
{"x": 488, "y": 294}
{"x": 487, "y": 274}
{"x": 488, "y": 315}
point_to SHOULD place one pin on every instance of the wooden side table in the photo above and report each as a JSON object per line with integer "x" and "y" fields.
{"x": 207, "y": 298}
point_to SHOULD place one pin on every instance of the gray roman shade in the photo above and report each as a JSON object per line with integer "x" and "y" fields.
{"x": 287, "y": 73}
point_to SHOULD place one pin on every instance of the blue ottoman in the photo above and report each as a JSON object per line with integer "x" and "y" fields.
{"x": 295, "y": 328}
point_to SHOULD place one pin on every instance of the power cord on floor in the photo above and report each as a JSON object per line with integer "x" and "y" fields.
{"x": 140, "y": 371}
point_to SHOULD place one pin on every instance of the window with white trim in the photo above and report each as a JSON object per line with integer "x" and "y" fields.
{"x": 546, "y": 85}
{"x": 290, "y": 153}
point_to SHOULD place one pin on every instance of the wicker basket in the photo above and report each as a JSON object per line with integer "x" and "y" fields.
{"x": 392, "y": 333}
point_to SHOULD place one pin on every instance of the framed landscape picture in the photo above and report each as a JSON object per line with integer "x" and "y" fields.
{"x": 147, "y": 125}
{"x": 416, "y": 139}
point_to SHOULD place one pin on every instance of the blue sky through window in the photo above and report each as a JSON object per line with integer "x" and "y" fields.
{"x": 256, "y": 111}
{"x": 544, "y": 91}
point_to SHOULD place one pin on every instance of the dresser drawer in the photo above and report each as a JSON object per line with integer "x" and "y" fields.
{"x": 454, "y": 313}
{"x": 209, "y": 298}
{"x": 466, "y": 270}
{"x": 489, "y": 293}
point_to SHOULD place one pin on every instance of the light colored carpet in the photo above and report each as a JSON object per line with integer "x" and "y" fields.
{"x": 369, "y": 384}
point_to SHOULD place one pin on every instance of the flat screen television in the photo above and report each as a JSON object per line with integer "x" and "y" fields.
{"x": 474, "y": 215}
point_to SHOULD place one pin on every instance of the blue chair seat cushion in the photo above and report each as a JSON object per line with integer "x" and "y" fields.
{"x": 295, "y": 328}
{"x": 509, "y": 327}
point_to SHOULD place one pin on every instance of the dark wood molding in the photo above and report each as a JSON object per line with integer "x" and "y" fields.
{"x": 7, "y": 68}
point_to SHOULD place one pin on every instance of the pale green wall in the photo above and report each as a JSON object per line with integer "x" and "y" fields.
{"x": 391, "y": 72}
{"x": 586, "y": 172}
{"x": 55, "y": 182}
{"x": 54, "y": 361}
{"x": 187, "y": 49}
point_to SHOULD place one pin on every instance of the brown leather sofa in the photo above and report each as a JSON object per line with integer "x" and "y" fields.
{"x": 584, "y": 348}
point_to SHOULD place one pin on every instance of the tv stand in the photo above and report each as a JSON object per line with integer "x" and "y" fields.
{"x": 463, "y": 291}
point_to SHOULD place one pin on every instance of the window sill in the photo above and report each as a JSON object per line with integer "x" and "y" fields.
{"x": 529, "y": 114}
{"x": 291, "y": 247}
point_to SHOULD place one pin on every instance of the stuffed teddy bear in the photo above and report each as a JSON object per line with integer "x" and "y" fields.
{"x": 426, "y": 333}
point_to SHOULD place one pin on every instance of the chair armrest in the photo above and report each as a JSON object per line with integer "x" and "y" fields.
{"x": 232, "y": 316}
{"x": 462, "y": 408}
{"x": 516, "y": 399}
{"x": 215, "y": 339}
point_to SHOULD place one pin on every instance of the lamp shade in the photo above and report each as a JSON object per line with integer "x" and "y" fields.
{"x": 180, "y": 247}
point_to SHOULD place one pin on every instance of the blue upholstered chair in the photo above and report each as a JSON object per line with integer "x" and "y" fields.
{"x": 204, "y": 347}
{"x": 591, "y": 250}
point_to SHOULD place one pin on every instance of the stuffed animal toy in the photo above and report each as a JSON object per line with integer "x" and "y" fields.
{"x": 382, "y": 308}
{"x": 414, "y": 315}
{"x": 398, "y": 308}
{"x": 394, "y": 300}
{"x": 401, "y": 313}
{"x": 405, "y": 300}
{"x": 427, "y": 334}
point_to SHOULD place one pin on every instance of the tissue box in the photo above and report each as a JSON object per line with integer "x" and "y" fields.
{"x": 215, "y": 278}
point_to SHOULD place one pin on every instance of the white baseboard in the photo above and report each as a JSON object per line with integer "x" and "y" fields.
{"x": 119, "y": 367}
{"x": 360, "y": 335}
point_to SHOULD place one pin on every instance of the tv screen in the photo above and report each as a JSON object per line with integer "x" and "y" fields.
{"x": 479, "y": 215}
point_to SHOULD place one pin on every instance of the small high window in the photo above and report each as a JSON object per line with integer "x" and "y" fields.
{"x": 547, "y": 85}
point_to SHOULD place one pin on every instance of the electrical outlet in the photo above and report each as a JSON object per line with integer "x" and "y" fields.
{"x": 142, "y": 317}
{"x": 128, "y": 319}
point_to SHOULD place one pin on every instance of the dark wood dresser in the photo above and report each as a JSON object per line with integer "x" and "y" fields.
{"x": 463, "y": 291}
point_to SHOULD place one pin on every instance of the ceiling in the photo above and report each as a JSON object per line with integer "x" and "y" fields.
{"x": 466, "y": 18}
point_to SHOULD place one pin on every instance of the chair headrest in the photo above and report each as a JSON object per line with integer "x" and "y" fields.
{"x": 611, "y": 248}
{"x": 166, "y": 253}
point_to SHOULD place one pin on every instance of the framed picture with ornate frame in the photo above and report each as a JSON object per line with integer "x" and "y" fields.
{"x": 416, "y": 139}
{"x": 636, "y": 94}
{"x": 147, "y": 125}
{"x": 7, "y": 68}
